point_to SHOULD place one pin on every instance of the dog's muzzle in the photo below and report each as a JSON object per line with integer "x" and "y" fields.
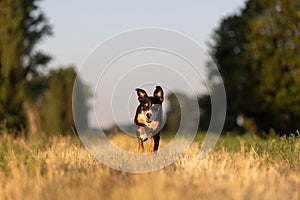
{"x": 149, "y": 117}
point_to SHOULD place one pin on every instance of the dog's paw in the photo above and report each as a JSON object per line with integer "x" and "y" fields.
{"x": 144, "y": 137}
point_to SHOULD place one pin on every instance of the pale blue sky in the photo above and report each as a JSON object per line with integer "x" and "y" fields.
{"x": 79, "y": 26}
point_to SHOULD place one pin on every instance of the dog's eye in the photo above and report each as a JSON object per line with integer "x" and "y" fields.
{"x": 146, "y": 105}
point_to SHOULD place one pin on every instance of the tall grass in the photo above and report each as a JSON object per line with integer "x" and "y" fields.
{"x": 246, "y": 167}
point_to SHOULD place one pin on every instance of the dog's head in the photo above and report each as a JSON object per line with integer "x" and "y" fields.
{"x": 150, "y": 108}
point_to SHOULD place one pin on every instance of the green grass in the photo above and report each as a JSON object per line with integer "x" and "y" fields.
{"x": 276, "y": 149}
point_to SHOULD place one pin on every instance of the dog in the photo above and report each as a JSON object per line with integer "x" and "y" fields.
{"x": 148, "y": 118}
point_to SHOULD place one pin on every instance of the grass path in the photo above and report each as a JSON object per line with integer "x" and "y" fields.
{"x": 238, "y": 168}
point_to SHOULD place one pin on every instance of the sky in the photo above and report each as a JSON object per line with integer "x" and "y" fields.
{"x": 79, "y": 26}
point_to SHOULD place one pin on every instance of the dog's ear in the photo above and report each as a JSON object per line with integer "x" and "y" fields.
{"x": 142, "y": 94}
{"x": 159, "y": 94}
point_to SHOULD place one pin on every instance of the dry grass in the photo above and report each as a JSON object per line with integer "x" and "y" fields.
{"x": 61, "y": 168}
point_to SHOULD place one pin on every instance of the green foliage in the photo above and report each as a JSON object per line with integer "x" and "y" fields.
{"x": 281, "y": 150}
{"x": 56, "y": 109}
{"x": 173, "y": 114}
{"x": 81, "y": 94}
{"x": 181, "y": 112}
{"x": 28, "y": 99}
{"x": 3, "y": 151}
{"x": 257, "y": 52}
{"x": 22, "y": 26}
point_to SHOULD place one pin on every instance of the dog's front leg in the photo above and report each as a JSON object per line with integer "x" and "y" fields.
{"x": 142, "y": 136}
{"x": 154, "y": 142}
{"x": 141, "y": 145}
{"x": 151, "y": 149}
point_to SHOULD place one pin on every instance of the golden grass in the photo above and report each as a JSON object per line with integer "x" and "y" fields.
{"x": 61, "y": 168}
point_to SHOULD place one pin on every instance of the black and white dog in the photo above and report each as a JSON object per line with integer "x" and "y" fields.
{"x": 148, "y": 118}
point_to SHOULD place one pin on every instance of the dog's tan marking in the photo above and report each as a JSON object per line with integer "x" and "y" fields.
{"x": 151, "y": 148}
{"x": 141, "y": 118}
{"x": 141, "y": 145}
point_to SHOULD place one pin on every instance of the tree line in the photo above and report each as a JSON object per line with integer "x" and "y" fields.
{"x": 256, "y": 50}
{"x": 31, "y": 99}
{"x": 257, "y": 53}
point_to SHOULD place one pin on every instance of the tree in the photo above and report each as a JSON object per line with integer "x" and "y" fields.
{"x": 274, "y": 45}
{"x": 81, "y": 94}
{"x": 22, "y": 26}
{"x": 257, "y": 53}
{"x": 173, "y": 114}
{"x": 181, "y": 112}
{"x": 56, "y": 108}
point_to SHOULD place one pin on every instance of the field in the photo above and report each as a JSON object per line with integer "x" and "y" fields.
{"x": 246, "y": 167}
